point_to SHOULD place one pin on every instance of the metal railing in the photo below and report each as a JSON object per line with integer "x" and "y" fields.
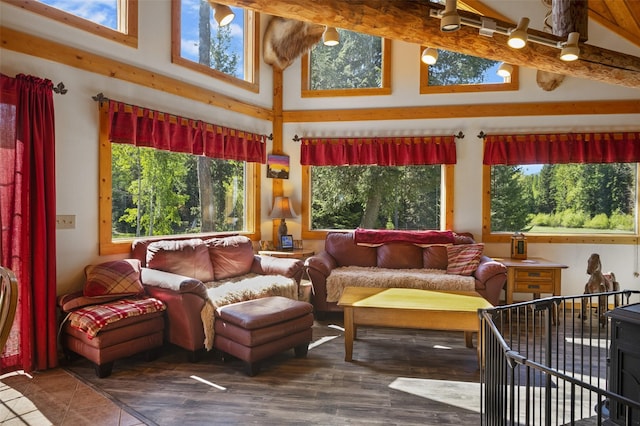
{"x": 546, "y": 362}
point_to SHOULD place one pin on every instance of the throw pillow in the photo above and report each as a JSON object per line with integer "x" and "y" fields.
{"x": 230, "y": 256}
{"x": 189, "y": 258}
{"x": 463, "y": 258}
{"x": 119, "y": 277}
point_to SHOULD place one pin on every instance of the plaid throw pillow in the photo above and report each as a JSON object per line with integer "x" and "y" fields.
{"x": 120, "y": 277}
{"x": 463, "y": 258}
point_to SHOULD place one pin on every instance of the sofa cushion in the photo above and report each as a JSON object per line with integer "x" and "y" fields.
{"x": 189, "y": 258}
{"x": 399, "y": 256}
{"x": 118, "y": 278}
{"x": 435, "y": 257}
{"x": 463, "y": 259}
{"x": 342, "y": 247}
{"x": 231, "y": 256}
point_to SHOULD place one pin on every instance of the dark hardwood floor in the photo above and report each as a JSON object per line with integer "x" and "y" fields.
{"x": 398, "y": 377}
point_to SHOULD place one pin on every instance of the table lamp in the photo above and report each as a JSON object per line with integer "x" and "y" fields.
{"x": 282, "y": 210}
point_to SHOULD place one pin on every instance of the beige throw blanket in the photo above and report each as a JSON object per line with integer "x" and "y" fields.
{"x": 425, "y": 279}
{"x": 240, "y": 289}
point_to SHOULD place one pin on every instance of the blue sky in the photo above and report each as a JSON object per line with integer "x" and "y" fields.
{"x": 104, "y": 13}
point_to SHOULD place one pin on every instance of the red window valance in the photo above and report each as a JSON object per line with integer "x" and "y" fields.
{"x": 390, "y": 151}
{"x": 562, "y": 148}
{"x": 131, "y": 124}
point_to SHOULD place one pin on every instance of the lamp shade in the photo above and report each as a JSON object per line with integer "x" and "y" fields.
{"x": 571, "y": 51}
{"x": 505, "y": 70}
{"x": 450, "y": 20}
{"x": 223, "y": 13}
{"x": 282, "y": 208}
{"x": 518, "y": 36}
{"x": 429, "y": 56}
{"x": 330, "y": 37}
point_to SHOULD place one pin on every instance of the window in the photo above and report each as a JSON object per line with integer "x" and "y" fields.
{"x": 377, "y": 197}
{"x": 560, "y": 201}
{"x": 228, "y": 53}
{"x": 154, "y": 192}
{"x": 117, "y": 19}
{"x": 359, "y": 65}
{"x": 455, "y": 72}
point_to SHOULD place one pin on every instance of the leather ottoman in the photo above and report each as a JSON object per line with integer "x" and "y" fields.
{"x": 260, "y": 328}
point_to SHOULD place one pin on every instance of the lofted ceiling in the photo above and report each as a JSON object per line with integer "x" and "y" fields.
{"x": 620, "y": 16}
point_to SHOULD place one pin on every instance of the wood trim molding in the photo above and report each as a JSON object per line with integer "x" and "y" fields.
{"x": 469, "y": 111}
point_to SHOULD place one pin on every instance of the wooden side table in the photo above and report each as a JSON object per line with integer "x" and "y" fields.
{"x": 294, "y": 254}
{"x": 533, "y": 275}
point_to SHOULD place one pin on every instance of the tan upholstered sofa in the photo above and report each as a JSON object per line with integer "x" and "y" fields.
{"x": 193, "y": 277}
{"x": 450, "y": 261}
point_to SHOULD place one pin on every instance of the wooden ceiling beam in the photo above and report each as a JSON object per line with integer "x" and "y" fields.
{"x": 409, "y": 21}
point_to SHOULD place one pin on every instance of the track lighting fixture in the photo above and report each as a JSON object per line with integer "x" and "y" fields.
{"x": 429, "y": 56}
{"x": 505, "y": 70}
{"x": 450, "y": 20}
{"x": 222, "y": 13}
{"x": 570, "y": 50}
{"x": 330, "y": 37}
{"x": 518, "y": 36}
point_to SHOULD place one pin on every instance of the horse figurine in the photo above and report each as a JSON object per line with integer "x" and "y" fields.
{"x": 599, "y": 283}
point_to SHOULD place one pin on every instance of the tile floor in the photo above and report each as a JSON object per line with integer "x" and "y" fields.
{"x": 55, "y": 397}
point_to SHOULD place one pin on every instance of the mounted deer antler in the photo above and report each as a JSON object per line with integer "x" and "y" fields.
{"x": 287, "y": 39}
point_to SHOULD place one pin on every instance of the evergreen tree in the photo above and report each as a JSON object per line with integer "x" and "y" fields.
{"x": 508, "y": 211}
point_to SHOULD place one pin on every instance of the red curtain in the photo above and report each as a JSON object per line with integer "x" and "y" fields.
{"x": 622, "y": 147}
{"x": 139, "y": 126}
{"x": 391, "y": 151}
{"x": 27, "y": 214}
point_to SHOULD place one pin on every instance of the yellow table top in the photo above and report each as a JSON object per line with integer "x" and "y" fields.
{"x": 407, "y": 298}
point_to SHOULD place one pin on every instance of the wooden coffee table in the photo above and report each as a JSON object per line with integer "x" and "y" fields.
{"x": 409, "y": 308}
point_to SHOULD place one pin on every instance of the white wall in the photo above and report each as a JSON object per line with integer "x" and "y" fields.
{"x": 77, "y": 132}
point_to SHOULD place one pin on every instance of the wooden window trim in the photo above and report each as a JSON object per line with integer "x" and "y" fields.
{"x": 251, "y": 43}
{"x": 372, "y": 91}
{"x": 446, "y": 210}
{"x": 107, "y": 245}
{"x": 128, "y": 37}
{"x": 425, "y": 89}
{"x": 502, "y": 237}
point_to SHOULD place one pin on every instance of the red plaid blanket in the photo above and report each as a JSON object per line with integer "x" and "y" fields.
{"x": 91, "y": 319}
{"x": 382, "y": 236}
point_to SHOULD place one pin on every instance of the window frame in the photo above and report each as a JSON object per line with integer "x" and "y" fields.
{"x": 106, "y": 243}
{"x": 446, "y": 209}
{"x": 425, "y": 89}
{"x": 251, "y": 51}
{"x": 128, "y": 19}
{"x": 505, "y": 237}
{"x": 305, "y": 79}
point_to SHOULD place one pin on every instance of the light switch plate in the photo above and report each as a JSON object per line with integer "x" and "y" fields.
{"x": 66, "y": 221}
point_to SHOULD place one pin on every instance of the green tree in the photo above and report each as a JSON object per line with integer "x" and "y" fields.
{"x": 508, "y": 211}
{"x": 354, "y": 63}
{"x": 454, "y": 68}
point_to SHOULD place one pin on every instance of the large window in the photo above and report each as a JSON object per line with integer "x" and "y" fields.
{"x": 116, "y": 19}
{"x": 376, "y": 197}
{"x": 582, "y": 193}
{"x": 225, "y": 52}
{"x": 359, "y": 65}
{"x": 456, "y": 72}
{"x": 147, "y": 192}
{"x": 564, "y": 199}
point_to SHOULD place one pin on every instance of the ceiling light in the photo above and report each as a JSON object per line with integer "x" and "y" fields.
{"x": 570, "y": 50}
{"x": 330, "y": 37}
{"x": 223, "y": 13}
{"x": 429, "y": 56}
{"x": 450, "y": 20}
{"x": 505, "y": 70}
{"x": 518, "y": 36}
